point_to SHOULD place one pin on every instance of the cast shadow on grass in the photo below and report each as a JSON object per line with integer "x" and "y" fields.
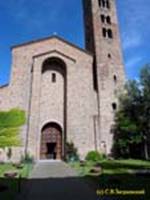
{"x": 122, "y": 182}
{"x": 65, "y": 188}
{"x": 9, "y": 188}
{"x": 74, "y": 188}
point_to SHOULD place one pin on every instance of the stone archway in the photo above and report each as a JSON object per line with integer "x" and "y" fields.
{"x": 51, "y": 142}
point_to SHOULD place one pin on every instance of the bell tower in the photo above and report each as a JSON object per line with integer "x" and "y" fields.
{"x": 103, "y": 41}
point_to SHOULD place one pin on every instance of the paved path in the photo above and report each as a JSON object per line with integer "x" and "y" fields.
{"x": 56, "y": 181}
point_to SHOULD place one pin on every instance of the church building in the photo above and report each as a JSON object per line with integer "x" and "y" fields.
{"x": 69, "y": 94}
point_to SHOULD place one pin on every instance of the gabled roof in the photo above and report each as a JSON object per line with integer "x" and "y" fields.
{"x": 49, "y": 38}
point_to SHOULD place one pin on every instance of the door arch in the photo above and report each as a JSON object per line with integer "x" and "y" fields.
{"x": 51, "y": 141}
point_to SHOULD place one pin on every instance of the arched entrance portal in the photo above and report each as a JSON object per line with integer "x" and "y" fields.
{"x": 51, "y": 142}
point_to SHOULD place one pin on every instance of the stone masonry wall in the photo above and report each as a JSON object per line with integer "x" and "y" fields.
{"x": 108, "y": 63}
{"x": 28, "y": 93}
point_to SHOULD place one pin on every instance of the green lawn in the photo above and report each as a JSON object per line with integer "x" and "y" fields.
{"x": 12, "y": 185}
{"x": 113, "y": 166}
{"x": 121, "y": 174}
{"x": 9, "y": 167}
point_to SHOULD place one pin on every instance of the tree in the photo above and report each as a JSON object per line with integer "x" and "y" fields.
{"x": 10, "y": 123}
{"x": 145, "y": 116}
{"x": 132, "y": 121}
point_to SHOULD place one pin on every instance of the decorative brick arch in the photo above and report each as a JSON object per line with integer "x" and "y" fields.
{"x": 59, "y": 64}
{"x": 53, "y": 94}
{"x": 51, "y": 141}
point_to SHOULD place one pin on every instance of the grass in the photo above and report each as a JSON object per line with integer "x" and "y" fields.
{"x": 4, "y": 168}
{"x": 121, "y": 174}
{"x": 24, "y": 172}
{"x": 113, "y": 166}
{"x": 123, "y": 166}
{"x": 12, "y": 185}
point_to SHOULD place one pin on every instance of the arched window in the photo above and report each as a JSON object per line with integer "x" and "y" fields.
{"x": 110, "y": 34}
{"x": 114, "y": 106}
{"x": 53, "y": 77}
{"x": 108, "y": 4}
{"x": 108, "y": 19}
{"x": 109, "y": 55}
{"x": 115, "y": 78}
{"x": 104, "y": 31}
{"x": 102, "y": 3}
{"x": 103, "y": 18}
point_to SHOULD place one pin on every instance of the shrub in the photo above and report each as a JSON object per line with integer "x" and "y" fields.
{"x": 27, "y": 159}
{"x": 95, "y": 156}
{"x": 71, "y": 152}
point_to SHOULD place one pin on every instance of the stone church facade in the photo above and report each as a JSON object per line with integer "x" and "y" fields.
{"x": 69, "y": 94}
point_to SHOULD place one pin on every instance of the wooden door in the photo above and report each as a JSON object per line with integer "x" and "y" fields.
{"x": 51, "y": 143}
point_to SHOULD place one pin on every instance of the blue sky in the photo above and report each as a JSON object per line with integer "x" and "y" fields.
{"x": 25, "y": 20}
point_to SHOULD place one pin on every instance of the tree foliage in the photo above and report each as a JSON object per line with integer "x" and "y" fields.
{"x": 132, "y": 121}
{"x": 10, "y": 123}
